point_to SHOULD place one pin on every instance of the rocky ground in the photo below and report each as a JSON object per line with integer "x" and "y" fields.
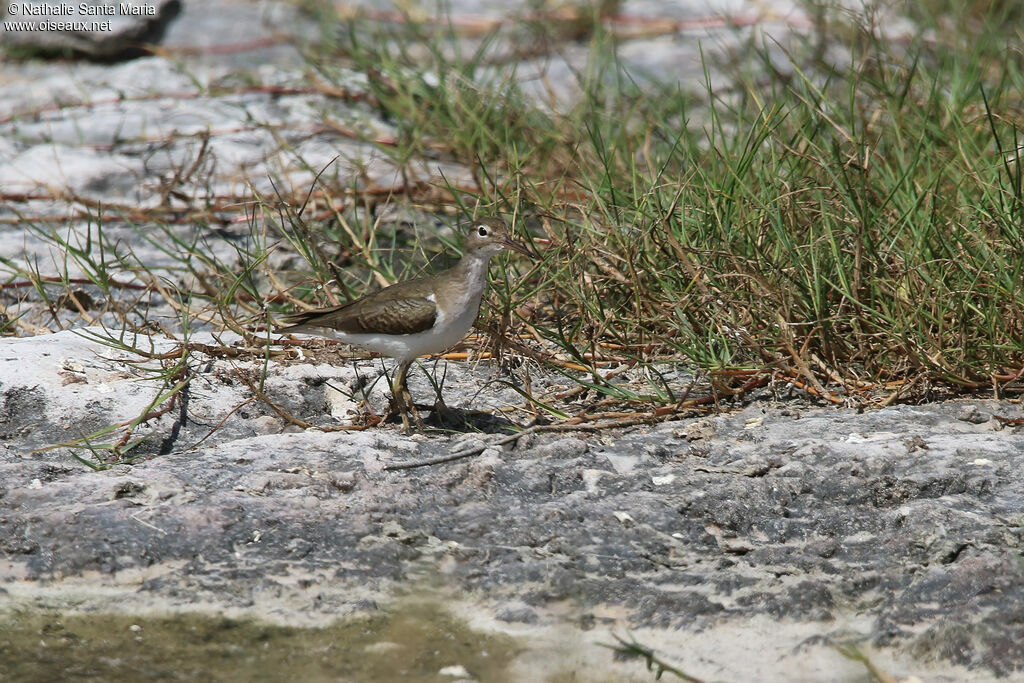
{"x": 744, "y": 544}
{"x": 773, "y": 528}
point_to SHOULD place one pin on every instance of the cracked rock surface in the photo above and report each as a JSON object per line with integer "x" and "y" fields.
{"x": 901, "y": 528}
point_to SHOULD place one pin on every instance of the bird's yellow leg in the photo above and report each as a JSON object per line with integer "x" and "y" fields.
{"x": 403, "y": 399}
{"x": 412, "y": 409}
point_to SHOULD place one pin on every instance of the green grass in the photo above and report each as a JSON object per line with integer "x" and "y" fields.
{"x": 845, "y": 224}
{"x": 851, "y": 227}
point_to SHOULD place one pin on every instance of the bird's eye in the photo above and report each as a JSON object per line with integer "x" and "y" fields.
{"x": 481, "y": 230}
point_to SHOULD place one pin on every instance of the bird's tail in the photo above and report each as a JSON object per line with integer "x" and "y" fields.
{"x": 304, "y": 322}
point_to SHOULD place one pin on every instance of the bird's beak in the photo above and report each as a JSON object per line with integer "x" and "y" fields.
{"x": 520, "y": 247}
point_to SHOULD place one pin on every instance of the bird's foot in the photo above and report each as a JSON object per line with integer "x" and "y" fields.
{"x": 416, "y": 417}
{"x": 405, "y": 407}
{"x": 417, "y": 421}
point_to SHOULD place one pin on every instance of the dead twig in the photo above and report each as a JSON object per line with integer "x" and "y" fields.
{"x": 285, "y": 415}
{"x": 50, "y": 279}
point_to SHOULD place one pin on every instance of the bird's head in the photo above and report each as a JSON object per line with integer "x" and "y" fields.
{"x": 488, "y": 236}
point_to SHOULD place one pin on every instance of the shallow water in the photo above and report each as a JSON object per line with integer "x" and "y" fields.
{"x": 412, "y": 645}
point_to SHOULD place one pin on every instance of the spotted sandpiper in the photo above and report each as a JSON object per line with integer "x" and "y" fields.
{"x": 415, "y": 317}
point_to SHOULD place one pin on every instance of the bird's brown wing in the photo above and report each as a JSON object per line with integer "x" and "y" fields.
{"x": 397, "y": 315}
{"x": 383, "y": 312}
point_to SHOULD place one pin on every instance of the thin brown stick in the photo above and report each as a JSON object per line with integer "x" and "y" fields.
{"x": 273, "y": 406}
{"x": 291, "y": 418}
{"x": 222, "y": 421}
{"x": 50, "y": 279}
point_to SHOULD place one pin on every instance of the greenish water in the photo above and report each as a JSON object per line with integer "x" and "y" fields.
{"x": 413, "y": 645}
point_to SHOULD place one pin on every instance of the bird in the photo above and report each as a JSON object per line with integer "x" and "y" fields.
{"x": 415, "y": 317}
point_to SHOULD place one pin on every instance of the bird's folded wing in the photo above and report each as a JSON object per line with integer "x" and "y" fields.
{"x": 388, "y": 312}
{"x": 407, "y": 315}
